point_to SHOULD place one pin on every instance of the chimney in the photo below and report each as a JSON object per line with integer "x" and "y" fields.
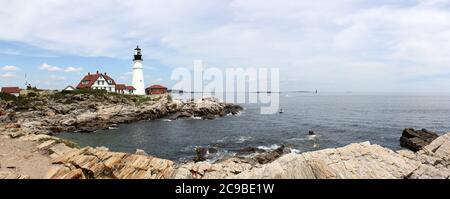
{"x": 89, "y": 73}
{"x": 97, "y": 72}
{"x": 105, "y": 73}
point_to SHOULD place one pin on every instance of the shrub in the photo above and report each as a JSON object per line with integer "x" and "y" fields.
{"x": 7, "y": 97}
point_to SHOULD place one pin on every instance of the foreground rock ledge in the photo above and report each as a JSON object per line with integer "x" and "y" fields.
{"x": 355, "y": 161}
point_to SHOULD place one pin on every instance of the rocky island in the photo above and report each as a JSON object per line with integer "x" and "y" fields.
{"x": 28, "y": 148}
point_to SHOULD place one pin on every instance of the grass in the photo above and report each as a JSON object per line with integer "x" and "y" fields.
{"x": 142, "y": 99}
{"x": 65, "y": 94}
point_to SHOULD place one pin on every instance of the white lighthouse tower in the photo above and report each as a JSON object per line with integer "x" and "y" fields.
{"x": 138, "y": 73}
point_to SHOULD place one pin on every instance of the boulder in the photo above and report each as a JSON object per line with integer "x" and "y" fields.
{"x": 69, "y": 122}
{"x": 8, "y": 117}
{"x": 140, "y": 152}
{"x": 265, "y": 158}
{"x": 99, "y": 164}
{"x": 12, "y": 126}
{"x": 60, "y": 149}
{"x": 415, "y": 140}
{"x": 247, "y": 150}
{"x": 201, "y": 153}
{"x": 46, "y": 145}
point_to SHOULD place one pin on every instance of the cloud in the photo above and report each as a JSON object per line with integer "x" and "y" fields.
{"x": 9, "y": 68}
{"x": 51, "y": 68}
{"x": 328, "y": 45}
{"x": 8, "y": 75}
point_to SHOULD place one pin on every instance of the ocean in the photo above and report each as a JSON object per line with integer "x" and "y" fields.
{"x": 337, "y": 119}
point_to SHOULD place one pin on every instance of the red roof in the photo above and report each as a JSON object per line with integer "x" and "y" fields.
{"x": 120, "y": 87}
{"x": 10, "y": 90}
{"x": 157, "y": 87}
{"x": 91, "y": 78}
{"x": 130, "y": 88}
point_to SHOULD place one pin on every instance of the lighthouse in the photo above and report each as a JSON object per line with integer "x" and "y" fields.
{"x": 138, "y": 72}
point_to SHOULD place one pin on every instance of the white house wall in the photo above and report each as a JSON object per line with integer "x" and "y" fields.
{"x": 102, "y": 84}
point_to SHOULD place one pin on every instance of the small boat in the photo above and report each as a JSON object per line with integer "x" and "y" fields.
{"x": 281, "y": 111}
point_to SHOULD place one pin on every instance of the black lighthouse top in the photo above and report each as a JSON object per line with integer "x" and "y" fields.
{"x": 137, "y": 54}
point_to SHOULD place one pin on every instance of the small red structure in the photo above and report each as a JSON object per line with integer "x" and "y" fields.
{"x": 130, "y": 89}
{"x": 156, "y": 90}
{"x": 11, "y": 90}
{"x": 120, "y": 88}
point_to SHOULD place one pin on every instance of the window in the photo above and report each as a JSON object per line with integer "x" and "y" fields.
{"x": 85, "y": 82}
{"x": 98, "y": 82}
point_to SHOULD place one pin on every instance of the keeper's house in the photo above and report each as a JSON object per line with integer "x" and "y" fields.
{"x": 101, "y": 81}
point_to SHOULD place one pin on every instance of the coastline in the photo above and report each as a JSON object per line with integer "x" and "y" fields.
{"x": 31, "y": 133}
{"x": 48, "y": 157}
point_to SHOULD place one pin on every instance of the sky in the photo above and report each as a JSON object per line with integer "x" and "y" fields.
{"x": 339, "y": 45}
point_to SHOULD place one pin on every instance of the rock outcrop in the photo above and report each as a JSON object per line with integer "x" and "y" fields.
{"x": 89, "y": 112}
{"x": 355, "y": 161}
{"x": 90, "y": 163}
{"x": 416, "y": 140}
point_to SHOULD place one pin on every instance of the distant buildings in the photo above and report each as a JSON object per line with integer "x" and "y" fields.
{"x": 69, "y": 88}
{"x": 11, "y": 90}
{"x": 156, "y": 90}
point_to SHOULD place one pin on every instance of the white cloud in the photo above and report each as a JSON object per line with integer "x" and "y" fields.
{"x": 328, "y": 45}
{"x": 7, "y": 75}
{"x": 9, "y": 68}
{"x": 50, "y": 68}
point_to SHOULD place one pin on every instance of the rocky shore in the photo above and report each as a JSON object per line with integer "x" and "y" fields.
{"x": 28, "y": 149}
{"x": 88, "y": 112}
{"x": 44, "y": 156}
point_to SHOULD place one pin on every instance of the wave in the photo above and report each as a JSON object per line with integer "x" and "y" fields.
{"x": 243, "y": 139}
{"x": 269, "y": 148}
